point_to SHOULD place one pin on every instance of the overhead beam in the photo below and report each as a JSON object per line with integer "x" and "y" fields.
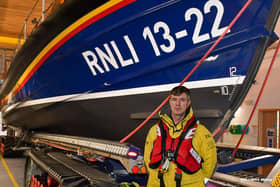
{"x": 10, "y": 40}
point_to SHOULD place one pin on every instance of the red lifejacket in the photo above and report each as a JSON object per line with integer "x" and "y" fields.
{"x": 178, "y": 150}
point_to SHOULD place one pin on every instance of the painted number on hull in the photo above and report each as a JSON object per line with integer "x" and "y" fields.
{"x": 232, "y": 71}
{"x": 197, "y": 36}
{"x": 166, "y": 36}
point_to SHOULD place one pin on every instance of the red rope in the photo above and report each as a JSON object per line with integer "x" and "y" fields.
{"x": 216, "y": 132}
{"x": 258, "y": 98}
{"x": 191, "y": 72}
{"x": 222, "y": 134}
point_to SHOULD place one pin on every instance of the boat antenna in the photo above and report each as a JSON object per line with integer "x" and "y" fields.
{"x": 191, "y": 72}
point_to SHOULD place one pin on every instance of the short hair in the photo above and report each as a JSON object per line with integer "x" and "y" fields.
{"x": 178, "y": 90}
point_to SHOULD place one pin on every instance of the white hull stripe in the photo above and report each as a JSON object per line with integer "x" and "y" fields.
{"x": 132, "y": 91}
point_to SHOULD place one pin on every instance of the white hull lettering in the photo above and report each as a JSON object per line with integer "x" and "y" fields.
{"x": 107, "y": 57}
{"x": 91, "y": 60}
{"x": 131, "y": 49}
{"x": 103, "y": 60}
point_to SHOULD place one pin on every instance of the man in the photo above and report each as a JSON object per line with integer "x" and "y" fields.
{"x": 179, "y": 151}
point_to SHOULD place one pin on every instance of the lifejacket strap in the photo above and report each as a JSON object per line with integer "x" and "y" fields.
{"x": 178, "y": 177}
{"x": 160, "y": 176}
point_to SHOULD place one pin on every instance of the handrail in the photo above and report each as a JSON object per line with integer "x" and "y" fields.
{"x": 43, "y": 16}
{"x": 5, "y": 58}
{"x": 5, "y": 62}
{"x": 23, "y": 31}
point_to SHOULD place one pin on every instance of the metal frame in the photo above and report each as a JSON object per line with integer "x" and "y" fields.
{"x": 254, "y": 156}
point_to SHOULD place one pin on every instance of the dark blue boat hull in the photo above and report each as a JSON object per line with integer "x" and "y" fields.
{"x": 104, "y": 70}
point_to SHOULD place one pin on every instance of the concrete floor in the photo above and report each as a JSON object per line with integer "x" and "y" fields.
{"x": 16, "y": 167}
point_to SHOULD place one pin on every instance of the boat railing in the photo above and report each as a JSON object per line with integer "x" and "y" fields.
{"x": 33, "y": 19}
{"x": 38, "y": 13}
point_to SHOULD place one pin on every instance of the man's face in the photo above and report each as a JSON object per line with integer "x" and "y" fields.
{"x": 179, "y": 104}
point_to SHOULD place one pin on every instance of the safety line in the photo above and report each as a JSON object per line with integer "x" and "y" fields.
{"x": 13, "y": 180}
{"x": 258, "y": 99}
{"x": 191, "y": 72}
{"x": 216, "y": 132}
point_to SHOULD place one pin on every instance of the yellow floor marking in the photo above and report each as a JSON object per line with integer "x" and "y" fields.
{"x": 8, "y": 171}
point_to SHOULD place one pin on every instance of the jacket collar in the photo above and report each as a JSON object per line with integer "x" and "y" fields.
{"x": 179, "y": 126}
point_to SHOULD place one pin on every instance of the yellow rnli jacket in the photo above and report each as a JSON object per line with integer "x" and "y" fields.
{"x": 203, "y": 143}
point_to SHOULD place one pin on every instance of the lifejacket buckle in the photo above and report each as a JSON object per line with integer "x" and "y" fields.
{"x": 170, "y": 155}
{"x": 165, "y": 166}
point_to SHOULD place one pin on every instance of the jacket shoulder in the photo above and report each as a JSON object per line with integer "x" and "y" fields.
{"x": 202, "y": 134}
{"x": 201, "y": 129}
{"x": 153, "y": 131}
